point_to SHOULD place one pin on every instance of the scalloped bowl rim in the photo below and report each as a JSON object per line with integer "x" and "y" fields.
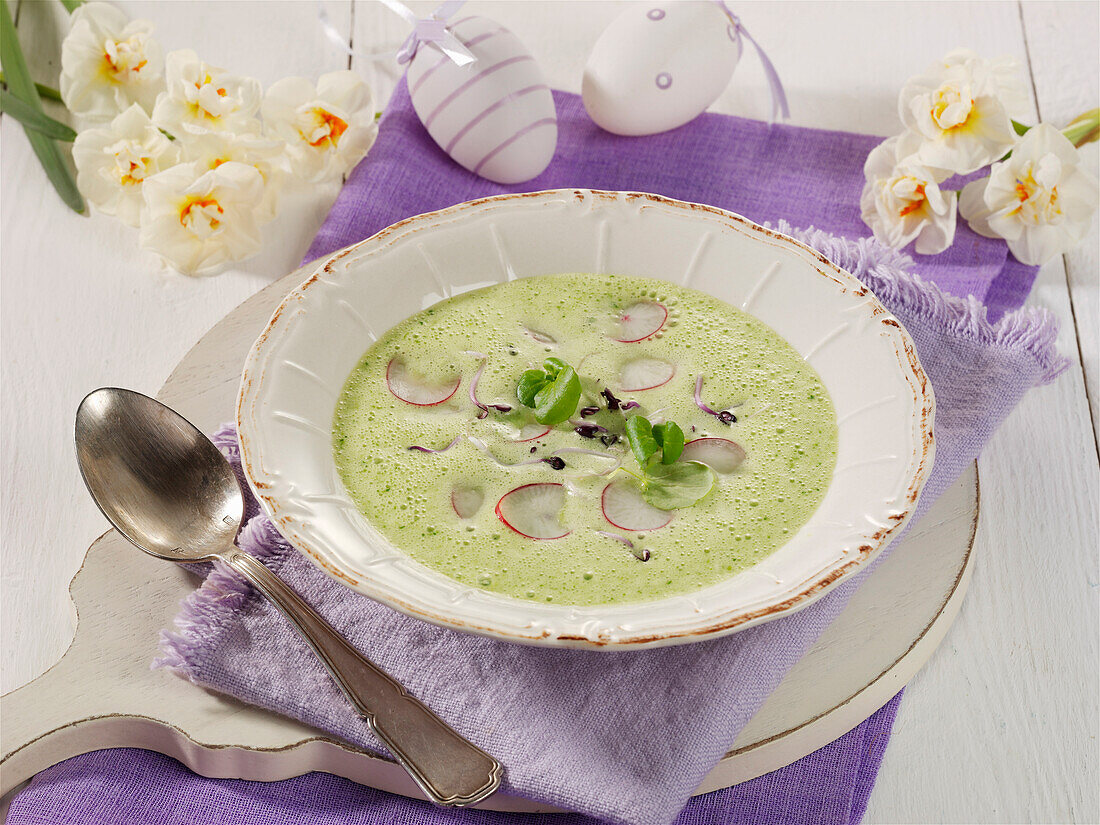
{"x": 321, "y": 521}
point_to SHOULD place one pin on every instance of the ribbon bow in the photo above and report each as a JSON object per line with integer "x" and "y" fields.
{"x": 779, "y": 97}
{"x": 432, "y": 29}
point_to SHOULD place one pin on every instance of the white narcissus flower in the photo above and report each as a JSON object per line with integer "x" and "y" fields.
{"x": 1001, "y": 74}
{"x": 203, "y": 98}
{"x": 108, "y": 63}
{"x": 961, "y": 109}
{"x": 327, "y": 129}
{"x": 199, "y": 220}
{"x": 113, "y": 162}
{"x": 268, "y": 157}
{"x": 1039, "y": 199}
{"x": 902, "y": 199}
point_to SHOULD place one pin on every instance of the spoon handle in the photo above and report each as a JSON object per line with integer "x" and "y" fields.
{"x": 447, "y": 767}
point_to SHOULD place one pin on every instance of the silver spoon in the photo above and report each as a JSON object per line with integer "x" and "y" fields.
{"x": 168, "y": 490}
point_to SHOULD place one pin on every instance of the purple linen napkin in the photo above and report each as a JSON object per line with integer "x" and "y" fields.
{"x": 623, "y": 737}
{"x": 110, "y": 787}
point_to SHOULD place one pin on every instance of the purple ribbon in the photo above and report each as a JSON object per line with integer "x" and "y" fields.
{"x": 431, "y": 29}
{"x": 779, "y": 96}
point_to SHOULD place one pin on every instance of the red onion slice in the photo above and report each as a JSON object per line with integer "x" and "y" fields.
{"x": 640, "y": 553}
{"x": 420, "y": 449}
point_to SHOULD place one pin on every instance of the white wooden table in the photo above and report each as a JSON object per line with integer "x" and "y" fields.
{"x": 1000, "y": 726}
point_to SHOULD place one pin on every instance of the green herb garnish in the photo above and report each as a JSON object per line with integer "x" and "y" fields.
{"x": 553, "y": 392}
{"x": 672, "y": 486}
{"x": 639, "y": 435}
{"x": 646, "y": 439}
{"x": 666, "y": 484}
{"x": 671, "y": 438}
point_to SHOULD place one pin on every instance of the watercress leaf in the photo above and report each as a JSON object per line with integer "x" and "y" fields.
{"x": 557, "y": 401}
{"x": 659, "y": 434}
{"x": 672, "y": 441}
{"x": 529, "y": 385}
{"x": 639, "y": 435}
{"x": 672, "y": 486}
{"x": 553, "y": 366}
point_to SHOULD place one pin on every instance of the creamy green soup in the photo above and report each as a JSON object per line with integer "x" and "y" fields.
{"x": 433, "y": 444}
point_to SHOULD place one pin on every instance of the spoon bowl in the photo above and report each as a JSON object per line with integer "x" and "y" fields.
{"x": 156, "y": 477}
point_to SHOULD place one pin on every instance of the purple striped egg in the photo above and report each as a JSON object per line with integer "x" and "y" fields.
{"x": 494, "y": 116}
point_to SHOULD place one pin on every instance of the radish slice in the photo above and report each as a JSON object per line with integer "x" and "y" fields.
{"x": 532, "y": 510}
{"x": 466, "y": 501}
{"x": 720, "y": 454}
{"x": 625, "y": 508}
{"x": 641, "y": 320}
{"x": 531, "y": 432}
{"x": 413, "y": 389}
{"x": 645, "y": 374}
{"x": 541, "y": 337}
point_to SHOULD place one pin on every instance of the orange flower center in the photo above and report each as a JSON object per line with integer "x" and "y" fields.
{"x": 124, "y": 56}
{"x": 913, "y": 206}
{"x": 330, "y": 127}
{"x": 130, "y": 178}
{"x": 201, "y": 203}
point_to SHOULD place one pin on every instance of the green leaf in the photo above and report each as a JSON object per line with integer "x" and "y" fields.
{"x": 72, "y": 5}
{"x": 671, "y": 438}
{"x": 556, "y": 402}
{"x": 553, "y": 366}
{"x": 1020, "y": 128}
{"x": 34, "y": 118}
{"x": 44, "y": 92}
{"x": 672, "y": 486}
{"x": 639, "y": 435}
{"x": 21, "y": 86}
{"x": 529, "y": 385}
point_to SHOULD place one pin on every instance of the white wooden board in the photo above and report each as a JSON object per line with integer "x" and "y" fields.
{"x": 103, "y": 694}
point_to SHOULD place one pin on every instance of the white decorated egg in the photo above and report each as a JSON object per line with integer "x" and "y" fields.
{"x": 658, "y": 65}
{"x": 494, "y": 116}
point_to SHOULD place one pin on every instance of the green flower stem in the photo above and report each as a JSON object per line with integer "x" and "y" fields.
{"x": 45, "y": 92}
{"x": 22, "y": 87}
{"x": 1084, "y": 128}
{"x": 33, "y": 118}
{"x": 641, "y": 479}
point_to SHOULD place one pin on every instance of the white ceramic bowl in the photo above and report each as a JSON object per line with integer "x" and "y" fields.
{"x": 297, "y": 368}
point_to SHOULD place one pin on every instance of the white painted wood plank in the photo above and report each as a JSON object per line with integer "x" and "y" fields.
{"x": 989, "y": 733}
{"x": 84, "y": 306}
{"x": 1000, "y": 725}
{"x": 1065, "y": 58}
